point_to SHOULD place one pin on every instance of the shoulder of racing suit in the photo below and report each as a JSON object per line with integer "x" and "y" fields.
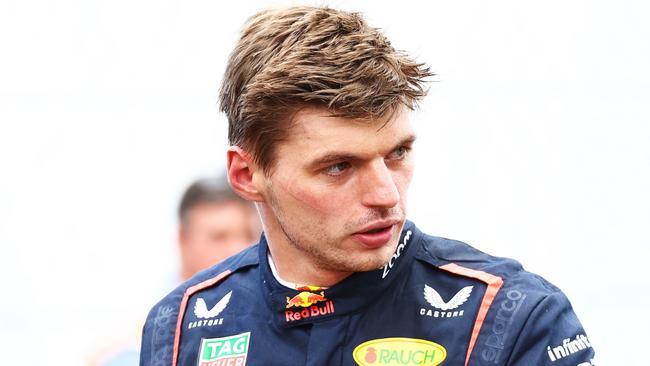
{"x": 521, "y": 319}
{"x": 158, "y": 335}
{"x": 528, "y": 320}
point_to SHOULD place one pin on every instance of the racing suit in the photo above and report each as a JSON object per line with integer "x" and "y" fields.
{"x": 436, "y": 302}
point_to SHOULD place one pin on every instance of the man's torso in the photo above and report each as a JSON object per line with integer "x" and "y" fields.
{"x": 437, "y": 302}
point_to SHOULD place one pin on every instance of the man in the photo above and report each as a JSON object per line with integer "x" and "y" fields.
{"x": 214, "y": 223}
{"x": 317, "y": 103}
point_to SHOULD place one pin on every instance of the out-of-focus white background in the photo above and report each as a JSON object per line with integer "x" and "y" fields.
{"x": 534, "y": 143}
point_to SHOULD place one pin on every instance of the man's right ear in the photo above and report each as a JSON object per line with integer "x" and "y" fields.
{"x": 240, "y": 174}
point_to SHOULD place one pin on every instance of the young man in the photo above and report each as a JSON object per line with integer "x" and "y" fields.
{"x": 317, "y": 103}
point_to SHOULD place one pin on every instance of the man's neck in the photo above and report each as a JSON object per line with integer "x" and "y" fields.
{"x": 295, "y": 267}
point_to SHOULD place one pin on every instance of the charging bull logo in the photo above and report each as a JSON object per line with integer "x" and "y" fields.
{"x": 307, "y": 300}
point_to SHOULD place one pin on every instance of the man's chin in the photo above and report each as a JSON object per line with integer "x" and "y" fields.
{"x": 377, "y": 259}
{"x": 356, "y": 261}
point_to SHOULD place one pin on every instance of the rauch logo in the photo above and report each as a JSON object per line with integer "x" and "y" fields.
{"x": 230, "y": 351}
{"x": 399, "y": 351}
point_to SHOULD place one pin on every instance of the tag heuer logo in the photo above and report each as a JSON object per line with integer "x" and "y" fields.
{"x": 434, "y": 299}
{"x": 230, "y": 350}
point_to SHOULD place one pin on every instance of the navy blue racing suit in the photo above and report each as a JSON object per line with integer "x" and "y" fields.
{"x": 436, "y": 302}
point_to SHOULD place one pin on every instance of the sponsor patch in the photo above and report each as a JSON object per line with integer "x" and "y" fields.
{"x": 399, "y": 351}
{"x": 306, "y": 302}
{"x": 568, "y": 347}
{"x": 445, "y": 309}
{"x": 224, "y": 351}
{"x": 205, "y": 316}
{"x": 305, "y": 299}
{"x": 398, "y": 252}
{"x": 502, "y": 325}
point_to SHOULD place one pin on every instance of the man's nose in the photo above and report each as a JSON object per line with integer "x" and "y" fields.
{"x": 379, "y": 189}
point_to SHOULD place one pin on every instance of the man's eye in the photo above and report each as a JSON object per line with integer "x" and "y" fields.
{"x": 399, "y": 153}
{"x": 337, "y": 169}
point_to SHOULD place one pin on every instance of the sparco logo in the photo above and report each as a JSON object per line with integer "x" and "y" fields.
{"x": 501, "y": 326}
{"x": 398, "y": 252}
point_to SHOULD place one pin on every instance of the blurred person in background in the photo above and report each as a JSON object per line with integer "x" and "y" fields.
{"x": 214, "y": 223}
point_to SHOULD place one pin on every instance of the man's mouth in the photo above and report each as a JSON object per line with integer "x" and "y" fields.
{"x": 379, "y": 229}
{"x": 377, "y": 235}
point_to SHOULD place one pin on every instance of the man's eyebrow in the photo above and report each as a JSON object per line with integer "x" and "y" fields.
{"x": 332, "y": 157}
{"x": 408, "y": 140}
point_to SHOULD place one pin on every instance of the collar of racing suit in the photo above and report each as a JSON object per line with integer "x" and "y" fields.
{"x": 308, "y": 305}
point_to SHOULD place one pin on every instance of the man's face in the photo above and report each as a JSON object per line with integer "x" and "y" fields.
{"x": 338, "y": 189}
{"x": 212, "y": 232}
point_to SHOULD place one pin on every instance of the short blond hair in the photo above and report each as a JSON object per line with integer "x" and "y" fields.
{"x": 298, "y": 57}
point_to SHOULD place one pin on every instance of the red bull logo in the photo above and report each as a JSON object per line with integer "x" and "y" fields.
{"x": 307, "y": 299}
{"x": 310, "y": 312}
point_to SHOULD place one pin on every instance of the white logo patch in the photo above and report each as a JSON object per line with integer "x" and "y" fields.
{"x": 569, "y": 347}
{"x": 201, "y": 311}
{"x": 434, "y": 299}
{"x": 398, "y": 251}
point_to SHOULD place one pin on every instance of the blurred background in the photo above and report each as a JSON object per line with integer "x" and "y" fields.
{"x": 534, "y": 143}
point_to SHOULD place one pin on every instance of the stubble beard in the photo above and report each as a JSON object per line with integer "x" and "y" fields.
{"x": 326, "y": 252}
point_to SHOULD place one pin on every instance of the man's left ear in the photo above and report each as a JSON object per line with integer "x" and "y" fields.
{"x": 240, "y": 174}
